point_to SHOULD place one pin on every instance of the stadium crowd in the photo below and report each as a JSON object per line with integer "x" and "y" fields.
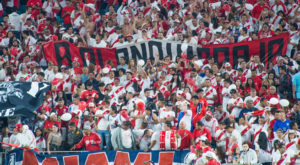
{"x": 244, "y": 113}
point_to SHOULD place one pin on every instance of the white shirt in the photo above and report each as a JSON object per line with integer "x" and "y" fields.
{"x": 15, "y": 20}
{"x": 92, "y": 42}
{"x": 126, "y": 138}
{"x": 235, "y": 111}
{"x": 156, "y": 137}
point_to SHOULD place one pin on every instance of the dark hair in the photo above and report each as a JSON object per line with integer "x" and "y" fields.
{"x": 200, "y": 123}
{"x": 168, "y": 124}
{"x": 263, "y": 141}
{"x": 292, "y": 124}
{"x": 72, "y": 124}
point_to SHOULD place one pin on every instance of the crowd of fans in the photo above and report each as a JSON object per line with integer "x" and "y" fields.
{"x": 243, "y": 113}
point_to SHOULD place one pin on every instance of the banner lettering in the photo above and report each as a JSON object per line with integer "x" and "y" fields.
{"x": 26, "y": 157}
{"x": 63, "y": 53}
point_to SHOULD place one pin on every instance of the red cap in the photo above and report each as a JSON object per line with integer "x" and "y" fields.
{"x": 117, "y": 78}
{"x": 19, "y": 126}
{"x": 141, "y": 106}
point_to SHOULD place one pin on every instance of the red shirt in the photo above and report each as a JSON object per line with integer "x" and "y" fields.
{"x": 49, "y": 124}
{"x": 204, "y": 132}
{"x": 42, "y": 26}
{"x": 87, "y": 141}
{"x": 213, "y": 162}
{"x": 35, "y": 12}
{"x": 258, "y": 9}
{"x": 91, "y": 94}
{"x": 67, "y": 18}
{"x": 257, "y": 82}
{"x": 61, "y": 110}
{"x": 186, "y": 137}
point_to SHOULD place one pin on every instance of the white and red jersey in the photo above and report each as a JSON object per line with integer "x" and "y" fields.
{"x": 262, "y": 74}
{"x": 167, "y": 114}
{"x": 28, "y": 27}
{"x": 220, "y": 136}
{"x": 254, "y": 65}
{"x": 291, "y": 145}
{"x": 232, "y": 73}
{"x": 209, "y": 93}
{"x": 26, "y": 76}
{"x": 291, "y": 9}
{"x": 236, "y": 102}
{"x": 256, "y": 100}
{"x": 204, "y": 41}
{"x": 257, "y": 129}
{"x": 102, "y": 122}
{"x": 248, "y": 25}
{"x": 211, "y": 125}
{"x": 221, "y": 116}
{"x": 279, "y": 7}
{"x": 118, "y": 91}
{"x": 145, "y": 83}
{"x": 245, "y": 38}
{"x": 48, "y": 8}
{"x": 77, "y": 19}
{"x": 285, "y": 158}
{"x": 246, "y": 73}
{"x": 245, "y": 131}
{"x": 96, "y": 17}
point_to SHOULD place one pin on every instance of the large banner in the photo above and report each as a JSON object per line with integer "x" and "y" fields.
{"x": 25, "y": 157}
{"x": 63, "y": 53}
{"x": 21, "y": 98}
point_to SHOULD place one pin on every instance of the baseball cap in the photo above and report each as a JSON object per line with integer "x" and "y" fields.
{"x": 19, "y": 126}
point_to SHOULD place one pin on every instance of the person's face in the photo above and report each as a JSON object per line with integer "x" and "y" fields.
{"x": 86, "y": 131}
{"x": 245, "y": 147}
{"x": 89, "y": 88}
{"x": 199, "y": 127}
{"x": 54, "y": 128}
{"x": 241, "y": 120}
{"x": 72, "y": 128}
{"x": 208, "y": 117}
{"x": 182, "y": 125}
{"x": 61, "y": 103}
{"x": 250, "y": 104}
{"x": 208, "y": 83}
{"x": 38, "y": 132}
{"x": 272, "y": 90}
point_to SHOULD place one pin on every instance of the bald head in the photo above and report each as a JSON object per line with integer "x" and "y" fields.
{"x": 182, "y": 125}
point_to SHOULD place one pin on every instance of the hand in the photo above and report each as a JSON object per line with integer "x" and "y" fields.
{"x": 146, "y": 150}
{"x": 73, "y": 148}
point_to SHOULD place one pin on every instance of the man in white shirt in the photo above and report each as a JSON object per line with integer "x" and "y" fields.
{"x": 97, "y": 42}
{"x": 248, "y": 156}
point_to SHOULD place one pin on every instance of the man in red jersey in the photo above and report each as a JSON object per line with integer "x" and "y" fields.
{"x": 200, "y": 131}
{"x": 186, "y": 136}
{"x": 90, "y": 141}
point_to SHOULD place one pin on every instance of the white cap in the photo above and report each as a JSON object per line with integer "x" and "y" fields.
{"x": 284, "y": 102}
{"x": 52, "y": 114}
{"x": 274, "y": 101}
{"x": 66, "y": 117}
{"x": 105, "y": 70}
